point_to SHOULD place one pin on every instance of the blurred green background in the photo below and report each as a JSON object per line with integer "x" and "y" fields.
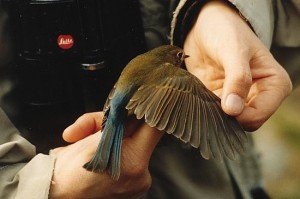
{"x": 278, "y": 141}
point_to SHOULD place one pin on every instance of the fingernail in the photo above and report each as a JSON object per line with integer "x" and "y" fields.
{"x": 234, "y": 104}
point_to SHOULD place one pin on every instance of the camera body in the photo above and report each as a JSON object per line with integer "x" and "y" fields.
{"x": 66, "y": 48}
{"x": 68, "y": 54}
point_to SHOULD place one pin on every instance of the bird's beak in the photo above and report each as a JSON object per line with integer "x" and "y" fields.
{"x": 184, "y": 56}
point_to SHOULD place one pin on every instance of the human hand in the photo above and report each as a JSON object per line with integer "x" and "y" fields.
{"x": 230, "y": 60}
{"x": 71, "y": 180}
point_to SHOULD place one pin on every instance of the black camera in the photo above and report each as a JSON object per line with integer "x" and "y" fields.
{"x": 70, "y": 50}
{"x": 68, "y": 55}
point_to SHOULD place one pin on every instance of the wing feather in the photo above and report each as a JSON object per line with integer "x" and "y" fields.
{"x": 189, "y": 119}
{"x": 195, "y": 137}
{"x": 181, "y": 105}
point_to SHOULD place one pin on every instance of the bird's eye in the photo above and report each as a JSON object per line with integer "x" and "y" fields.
{"x": 179, "y": 55}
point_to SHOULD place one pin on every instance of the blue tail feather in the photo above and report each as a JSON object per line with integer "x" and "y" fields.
{"x": 108, "y": 153}
{"x": 116, "y": 153}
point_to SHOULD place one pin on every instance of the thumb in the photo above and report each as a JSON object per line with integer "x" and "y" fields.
{"x": 237, "y": 83}
{"x": 84, "y": 126}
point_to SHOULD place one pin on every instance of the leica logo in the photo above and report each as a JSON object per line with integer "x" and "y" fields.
{"x": 65, "y": 41}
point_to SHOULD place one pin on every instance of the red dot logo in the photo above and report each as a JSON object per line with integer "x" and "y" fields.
{"x": 65, "y": 41}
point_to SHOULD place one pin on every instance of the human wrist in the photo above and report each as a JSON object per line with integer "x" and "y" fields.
{"x": 186, "y": 15}
{"x": 56, "y": 189}
{"x": 222, "y": 5}
{"x": 236, "y": 10}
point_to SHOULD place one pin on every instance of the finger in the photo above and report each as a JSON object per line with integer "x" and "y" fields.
{"x": 261, "y": 105}
{"x": 84, "y": 126}
{"x": 259, "y": 110}
{"x": 237, "y": 83}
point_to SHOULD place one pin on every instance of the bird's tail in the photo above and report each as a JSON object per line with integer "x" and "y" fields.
{"x": 108, "y": 153}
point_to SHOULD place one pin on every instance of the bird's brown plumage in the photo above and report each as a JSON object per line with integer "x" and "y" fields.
{"x": 173, "y": 100}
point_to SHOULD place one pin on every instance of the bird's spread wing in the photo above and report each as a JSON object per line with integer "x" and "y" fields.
{"x": 181, "y": 105}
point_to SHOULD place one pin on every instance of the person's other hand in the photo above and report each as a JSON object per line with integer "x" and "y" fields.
{"x": 71, "y": 180}
{"x": 227, "y": 56}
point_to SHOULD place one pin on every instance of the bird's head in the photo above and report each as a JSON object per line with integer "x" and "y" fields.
{"x": 180, "y": 57}
{"x": 171, "y": 54}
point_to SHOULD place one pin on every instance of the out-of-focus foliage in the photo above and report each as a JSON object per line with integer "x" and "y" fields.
{"x": 278, "y": 141}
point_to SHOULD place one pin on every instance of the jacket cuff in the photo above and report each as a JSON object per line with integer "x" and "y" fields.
{"x": 183, "y": 18}
{"x": 259, "y": 14}
{"x": 35, "y": 178}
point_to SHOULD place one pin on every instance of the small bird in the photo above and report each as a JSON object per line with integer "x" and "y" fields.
{"x": 154, "y": 87}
